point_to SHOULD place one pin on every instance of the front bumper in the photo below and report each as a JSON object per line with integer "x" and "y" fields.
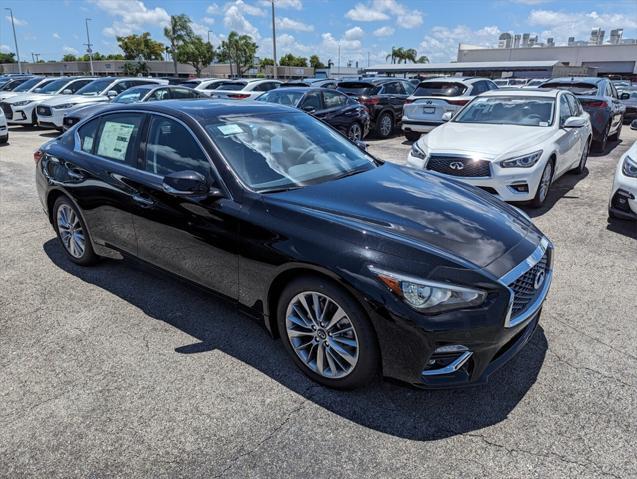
{"x": 22, "y": 115}
{"x": 623, "y": 198}
{"x": 507, "y": 184}
{"x": 55, "y": 120}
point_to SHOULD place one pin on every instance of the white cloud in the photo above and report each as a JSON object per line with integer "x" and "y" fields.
{"x": 245, "y": 8}
{"x": 213, "y": 9}
{"x": 441, "y": 44}
{"x": 331, "y": 44}
{"x": 16, "y": 21}
{"x": 414, "y": 19}
{"x": 208, "y": 20}
{"x": 56, "y": 36}
{"x": 234, "y": 20}
{"x": 286, "y": 23}
{"x": 384, "y": 32}
{"x": 295, "y": 4}
{"x": 561, "y": 25}
{"x": 356, "y": 33}
{"x": 5, "y": 49}
{"x": 363, "y": 13}
{"x": 70, "y": 50}
{"x": 530, "y": 2}
{"x": 131, "y": 16}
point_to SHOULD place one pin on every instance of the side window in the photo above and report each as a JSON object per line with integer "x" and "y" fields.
{"x": 118, "y": 137}
{"x": 609, "y": 91}
{"x": 211, "y": 86}
{"x": 328, "y": 85}
{"x": 180, "y": 93}
{"x": 409, "y": 88}
{"x": 333, "y": 99}
{"x": 478, "y": 87}
{"x": 139, "y": 83}
{"x": 87, "y": 134}
{"x": 159, "y": 94}
{"x": 392, "y": 89}
{"x": 120, "y": 87}
{"x": 263, "y": 87}
{"x": 613, "y": 90}
{"x": 76, "y": 85}
{"x": 565, "y": 110}
{"x": 573, "y": 103}
{"x": 312, "y": 100}
{"x": 171, "y": 147}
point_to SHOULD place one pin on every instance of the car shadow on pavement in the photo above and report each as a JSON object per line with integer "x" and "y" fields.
{"x": 610, "y": 146}
{"x": 384, "y": 406}
{"x": 560, "y": 189}
{"x": 623, "y": 227}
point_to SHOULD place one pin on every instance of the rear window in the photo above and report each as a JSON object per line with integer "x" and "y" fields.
{"x": 575, "y": 88}
{"x": 190, "y": 84}
{"x": 233, "y": 86}
{"x": 358, "y": 88}
{"x": 439, "y": 88}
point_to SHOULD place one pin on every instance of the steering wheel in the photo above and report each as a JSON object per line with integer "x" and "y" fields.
{"x": 536, "y": 117}
{"x": 306, "y": 151}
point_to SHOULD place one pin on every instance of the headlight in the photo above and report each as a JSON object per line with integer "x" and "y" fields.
{"x": 418, "y": 151}
{"x": 64, "y": 106}
{"x": 430, "y": 296}
{"x": 22, "y": 103}
{"x": 629, "y": 168}
{"x": 525, "y": 161}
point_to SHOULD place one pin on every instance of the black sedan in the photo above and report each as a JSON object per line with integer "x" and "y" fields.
{"x": 333, "y": 107}
{"x": 361, "y": 267}
{"x": 150, "y": 92}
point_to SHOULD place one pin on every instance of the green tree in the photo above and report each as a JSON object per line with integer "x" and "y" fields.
{"x": 423, "y": 59}
{"x": 197, "y": 53}
{"x": 69, "y": 57}
{"x": 178, "y": 33}
{"x": 289, "y": 60}
{"x": 409, "y": 55}
{"x": 115, "y": 56}
{"x": 396, "y": 54}
{"x": 239, "y": 51}
{"x": 315, "y": 62}
{"x": 7, "y": 58}
{"x": 265, "y": 62}
{"x": 136, "y": 68}
{"x": 97, "y": 56}
{"x": 135, "y": 46}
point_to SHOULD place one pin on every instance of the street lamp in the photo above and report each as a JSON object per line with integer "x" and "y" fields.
{"x": 274, "y": 41}
{"x": 89, "y": 45}
{"x": 209, "y": 32}
{"x": 15, "y": 39}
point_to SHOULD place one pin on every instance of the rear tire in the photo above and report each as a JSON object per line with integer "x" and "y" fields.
{"x": 600, "y": 145}
{"x": 338, "y": 350}
{"x": 355, "y": 132}
{"x": 544, "y": 187}
{"x": 412, "y": 135}
{"x": 72, "y": 232}
{"x": 384, "y": 125}
{"x": 615, "y": 136}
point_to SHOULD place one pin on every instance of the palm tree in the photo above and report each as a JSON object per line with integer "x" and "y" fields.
{"x": 177, "y": 33}
{"x": 410, "y": 55}
{"x": 423, "y": 59}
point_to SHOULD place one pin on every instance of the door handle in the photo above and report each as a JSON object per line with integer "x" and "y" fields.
{"x": 74, "y": 174}
{"x": 143, "y": 200}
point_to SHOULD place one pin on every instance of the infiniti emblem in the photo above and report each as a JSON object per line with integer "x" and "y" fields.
{"x": 539, "y": 279}
{"x": 428, "y": 102}
{"x": 456, "y": 165}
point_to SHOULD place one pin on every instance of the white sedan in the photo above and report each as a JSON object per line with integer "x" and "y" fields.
{"x": 623, "y": 197}
{"x": 4, "y": 131}
{"x": 513, "y": 144}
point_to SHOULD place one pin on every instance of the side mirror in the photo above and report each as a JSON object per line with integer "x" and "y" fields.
{"x": 624, "y": 96}
{"x": 308, "y": 109}
{"x": 361, "y": 145}
{"x": 111, "y": 93}
{"x": 633, "y": 125}
{"x": 446, "y": 116}
{"x": 574, "y": 122}
{"x": 185, "y": 183}
{"x": 66, "y": 91}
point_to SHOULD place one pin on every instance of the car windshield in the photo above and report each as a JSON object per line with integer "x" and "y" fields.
{"x": 575, "y": 88}
{"x": 131, "y": 95}
{"x": 55, "y": 86}
{"x": 283, "y": 97}
{"x": 274, "y": 152}
{"x": 440, "y": 88}
{"x": 508, "y": 110}
{"x": 94, "y": 88}
{"x": 27, "y": 85}
{"x": 234, "y": 86}
{"x": 358, "y": 88}
{"x": 535, "y": 82}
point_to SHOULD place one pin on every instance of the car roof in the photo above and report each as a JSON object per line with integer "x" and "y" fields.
{"x": 576, "y": 80}
{"x": 299, "y": 88}
{"x": 550, "y": 93}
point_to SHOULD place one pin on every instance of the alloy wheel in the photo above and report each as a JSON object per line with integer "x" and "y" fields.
{"x": 385, "y": 125}
{"x": 321, "y": 334}
{"x": 545, "y": 182}
{"x": 355, "y": 133}
{"x": 71, "y": 231}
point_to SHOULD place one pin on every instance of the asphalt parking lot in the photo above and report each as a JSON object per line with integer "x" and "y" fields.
{"x": 120, "y": 371}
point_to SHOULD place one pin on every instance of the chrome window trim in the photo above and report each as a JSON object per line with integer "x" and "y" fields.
{"x": 77, "y": 145}
{"x": 449, "y": 368}
{"x": 518, "y": 271}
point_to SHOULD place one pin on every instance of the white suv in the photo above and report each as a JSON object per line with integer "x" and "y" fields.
{"x": 244, "y": 89}
{"x": 433, "y": 98}
{"x": 204, "y": 85}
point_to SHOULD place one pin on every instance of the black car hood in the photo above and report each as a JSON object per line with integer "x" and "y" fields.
{"x": 426, "y": 211}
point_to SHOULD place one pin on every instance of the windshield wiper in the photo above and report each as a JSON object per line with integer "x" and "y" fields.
{"x": 280, "y": 189}
{"x": 349, "y": 173}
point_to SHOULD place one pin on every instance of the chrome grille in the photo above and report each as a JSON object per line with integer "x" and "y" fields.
{"x": 44, "y": 110}
{"x": 524, "y": 287}
{"x": 6, "y": 108}
{"x": 459, "y": 166}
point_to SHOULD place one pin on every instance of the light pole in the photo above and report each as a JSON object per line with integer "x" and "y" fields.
{"x": 274, "y": 42}
{"x": 15, "y": 39}
{"x": 89, "y": 45}
{"x": 209, "y": 32}
{"x": 339, "y": 59}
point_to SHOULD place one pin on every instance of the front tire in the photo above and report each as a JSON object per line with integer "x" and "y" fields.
{"x": 384, "y": 125}
{"x": 355, "y": 132}
{"x": 72, "y": 232}
{"x": 412, "y": 135}
{"x": 581, "y": 166}
{"x": 544, "y": 187}
{"x": 327, "y": 333}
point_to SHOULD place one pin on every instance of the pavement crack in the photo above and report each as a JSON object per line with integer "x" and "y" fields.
{"x": 584, "y": 368}
{"x": 622, "y": 352}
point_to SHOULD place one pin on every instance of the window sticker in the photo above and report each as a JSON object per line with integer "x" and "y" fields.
{"x": 87, "y": 143}
{"x": 231, "y": 129}
{"x": 114, "y": 140}
{"x": 276, "y": 144}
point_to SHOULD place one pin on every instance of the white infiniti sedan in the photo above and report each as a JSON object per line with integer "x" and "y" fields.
{"x": 623, "y": 198}
{"x": 513, "y": 144}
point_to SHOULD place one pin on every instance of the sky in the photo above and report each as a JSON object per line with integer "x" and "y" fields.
{"x": 365, "y": 29}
